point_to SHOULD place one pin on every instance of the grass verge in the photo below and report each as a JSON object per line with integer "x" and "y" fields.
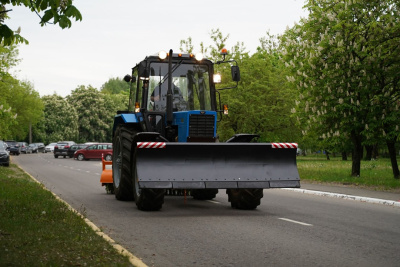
{"x": 38, "y": 230}
{"x": 375, "y": 174}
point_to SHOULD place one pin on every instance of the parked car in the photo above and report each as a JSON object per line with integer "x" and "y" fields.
{"x": 75, "y": 147}
{"x": 25, "y": 148}
{"x": 4, "y": 154}
{"x": 34, "y": 148}
{"x": 13, "y": 147}
{"x": 95, "y": 151}
{"x": 49, "y": 147}
{"x": 61, "y": 148}
{"x": 40, "y": 147}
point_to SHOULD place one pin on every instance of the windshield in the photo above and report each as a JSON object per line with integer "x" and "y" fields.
{"x": 190, "y": 87}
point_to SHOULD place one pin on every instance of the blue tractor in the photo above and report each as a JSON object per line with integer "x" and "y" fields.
{"x": 167, "y": 141}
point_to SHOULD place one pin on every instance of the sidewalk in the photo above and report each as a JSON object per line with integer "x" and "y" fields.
{"x": 350, "y": 190}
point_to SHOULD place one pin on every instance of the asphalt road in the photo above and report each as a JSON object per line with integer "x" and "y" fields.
{"x": 287, "y": 229}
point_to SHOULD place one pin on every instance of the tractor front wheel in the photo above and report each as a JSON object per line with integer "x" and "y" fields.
{"x": 121, "y": 163}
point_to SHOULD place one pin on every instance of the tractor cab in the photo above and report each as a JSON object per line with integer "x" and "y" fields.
{"x": 169, "y": 93}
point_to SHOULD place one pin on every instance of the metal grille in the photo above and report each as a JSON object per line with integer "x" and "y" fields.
{"x": 201, "y": 125}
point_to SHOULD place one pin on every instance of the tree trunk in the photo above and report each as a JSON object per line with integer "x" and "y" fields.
{"x": 375, "y": 152}
{"x": 369, "y": 150}
{"x": 393, "y": 160}
{"x": 356, "y": 155}
{"x": 30, "y": 132}
{"x": 344, "y": 156}
{"x": 327, "y": 155}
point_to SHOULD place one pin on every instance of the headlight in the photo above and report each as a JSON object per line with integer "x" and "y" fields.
{"x": 217, "y": 78}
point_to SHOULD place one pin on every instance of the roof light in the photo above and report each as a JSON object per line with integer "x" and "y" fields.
{"x": 199, "y": 56}
{"x": 224, "y": 51}
{"x": 162, "y": 55}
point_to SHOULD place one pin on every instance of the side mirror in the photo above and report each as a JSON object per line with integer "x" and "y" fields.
{"x": 235, "y": 73}
{"x": 128, "y": 78}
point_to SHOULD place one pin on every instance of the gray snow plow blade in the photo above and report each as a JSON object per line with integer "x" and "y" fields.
{"x": 216, "y": 165}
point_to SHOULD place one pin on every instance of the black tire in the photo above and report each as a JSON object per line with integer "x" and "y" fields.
{"x": 204, "y": 194}
{"x": 108, "y": 157}
{"x": 80, "y": 157}
{"x": 245, "y": 199}
{"x": 64, "y": 157}
{"x": 148, "y": 199}
{"x": 121, "y": 163}
{"x": 56, "y": 156}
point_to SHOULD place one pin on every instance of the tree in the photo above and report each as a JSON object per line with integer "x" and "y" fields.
{"x": 96, "y": 112}
{"x": 49, "y": 11}
{"x": 60, "y": 120}
{"x": 113, "y": 103}
{"x": 24, "y": 102}
{"x": 334, "y": 55}
{"x": 115, "y": 86}
{"x": 8, "y": 59}
{"x": 7, "y": 120}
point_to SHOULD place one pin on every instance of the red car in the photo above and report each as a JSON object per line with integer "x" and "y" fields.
{"x": 95, "y": 151}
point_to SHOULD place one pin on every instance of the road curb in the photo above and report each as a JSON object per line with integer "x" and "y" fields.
{"x": 349, "y": 197}
{"x": 120, "y": 249}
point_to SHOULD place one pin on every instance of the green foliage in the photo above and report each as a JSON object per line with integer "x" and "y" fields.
{"x": 8, "y": 59}
{"x": 96, "y": 112}
{"x": 7, "y": 120}
{"x": 115, "y": 86}
{"x": 49, "y": 11}
{"x": 25, "y": 105}
{"x": 60, "y": 120}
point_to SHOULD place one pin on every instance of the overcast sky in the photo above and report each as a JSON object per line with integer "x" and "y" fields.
{"x": 115, "y": 35}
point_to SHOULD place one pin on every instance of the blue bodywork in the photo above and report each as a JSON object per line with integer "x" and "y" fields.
{"x": 180, "y": 119}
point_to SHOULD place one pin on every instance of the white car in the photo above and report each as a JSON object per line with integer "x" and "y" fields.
{"x": 49, "y": 147}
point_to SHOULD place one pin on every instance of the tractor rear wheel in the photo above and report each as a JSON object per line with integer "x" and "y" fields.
{"x": 147, "y": 199}
{"x": 245, "y": 199}
{"x": 121, "y": 163}
{"x": 204, "y": 194}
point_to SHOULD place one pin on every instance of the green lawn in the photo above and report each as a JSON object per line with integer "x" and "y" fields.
{"x": 38, "y": 230}
{"x": 376, "y": 174}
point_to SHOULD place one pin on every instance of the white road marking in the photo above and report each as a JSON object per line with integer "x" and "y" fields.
{"x": 293, "y": 221}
